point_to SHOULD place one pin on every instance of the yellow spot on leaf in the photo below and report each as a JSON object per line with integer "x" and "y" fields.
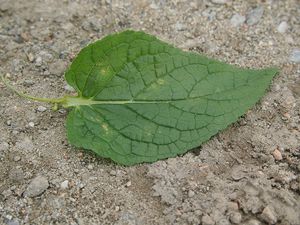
{"x": 160, "y": 81}
{"x": 105, "y": 127}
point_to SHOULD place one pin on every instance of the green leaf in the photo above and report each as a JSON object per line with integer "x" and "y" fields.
{"x": 141, "y": 99}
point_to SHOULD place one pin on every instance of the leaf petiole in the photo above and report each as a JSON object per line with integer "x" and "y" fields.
{"x": 48, "y": 100}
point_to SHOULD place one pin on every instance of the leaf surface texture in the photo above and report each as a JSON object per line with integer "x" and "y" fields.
{"x": 152, "y": 100}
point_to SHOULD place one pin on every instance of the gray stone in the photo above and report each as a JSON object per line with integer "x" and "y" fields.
{"x": 16, "y": 174}
{"x": 64, "y": 184}
{"x": 41, "y": 108}
{"x": 269, "y": 215}
{"x": 237, "y": 20}
{"x": 113, "y": 173}
{"x": 17, "y": 158}
{"x": 31, "y": 124}
{"x": 295, "y": 56}
{"x": 220, "y": 1}
{"x": 30, "y": 57}
{"x": 128, "y": 184}
{"x": 36, "y": 187}
{"x": 282, "y": 27}
{"x": 235, "y": 217}
{"x": 191, "y": 193}
{"x": 39, "y": 61}
{"x": 254, "y": 16}
{"x": 129, "y": 218}
{"x": 207, "y": 220}
{"x": 12, "y": 222}
{"x": 4, "y": 146}
{"x": 90, "y": 166}
{"x": 223, "y": 221}
{"x": 7, "y": 193}
{"x": 253, "y": 222}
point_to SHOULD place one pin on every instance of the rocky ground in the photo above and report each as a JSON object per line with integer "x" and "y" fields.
{"x": 247, "y": 174}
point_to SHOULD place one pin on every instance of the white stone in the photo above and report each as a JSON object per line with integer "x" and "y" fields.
{"x": 41, "y": 108}
{"x": 237, "y": 20}
{"x": 282, "y": 27}
{"x": 64, "y": 184}
{"x": 295, "y": 56}
{"x": 220, "y": 1}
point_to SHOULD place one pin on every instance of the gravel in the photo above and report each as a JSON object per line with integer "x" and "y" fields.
{"x": 234, "y": 178}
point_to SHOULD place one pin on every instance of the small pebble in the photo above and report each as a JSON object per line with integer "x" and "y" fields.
{"x": 269, "y": 215}
{"x": 295, "y": 56}
{"x": 223, "y": 221}
{"x": 31, "y": 124}
{"x": 17, "y": 158}
{"x": 207, "y": 220}
{"x": 254, "y": 16}
{"x": 237, "y": 20}
{"x": 113, "y": 173}
{"x": 37, "y": 186}
{"x": 64, "y": 184}
{"x": 30, "y": 57}
{"x": 28, "y": 83}
{"x": 232, "y": 206}
{"x": 38, "y": 61}
{"x": 12, "y": 222}
{"x": 8, "y": 122}
{"x": 220, "y": 1}
{"x": 9, "y": 217}
{"x": 6, "y": 193}
{"x": 277, "y": 155}
{"x": 282, "y": 27}
{"x": 253, "y": 222}
{"x": 90, "y": 167}
{"x": 128, "y": 184}
{"x": 236, "y": 218}
{"x": 41, "y": 109}
{"x": 191, "y": 193}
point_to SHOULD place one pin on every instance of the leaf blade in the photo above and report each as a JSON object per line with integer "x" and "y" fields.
{"x": 173, "y": 100}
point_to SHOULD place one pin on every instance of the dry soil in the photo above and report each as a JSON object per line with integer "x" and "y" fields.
{"x": 247, "y": 174}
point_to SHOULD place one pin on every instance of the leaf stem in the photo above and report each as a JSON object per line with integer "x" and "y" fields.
{"x": 48, "y": 100}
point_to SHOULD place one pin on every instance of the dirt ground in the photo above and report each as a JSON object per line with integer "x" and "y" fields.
{"x": 247, "y": 174}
